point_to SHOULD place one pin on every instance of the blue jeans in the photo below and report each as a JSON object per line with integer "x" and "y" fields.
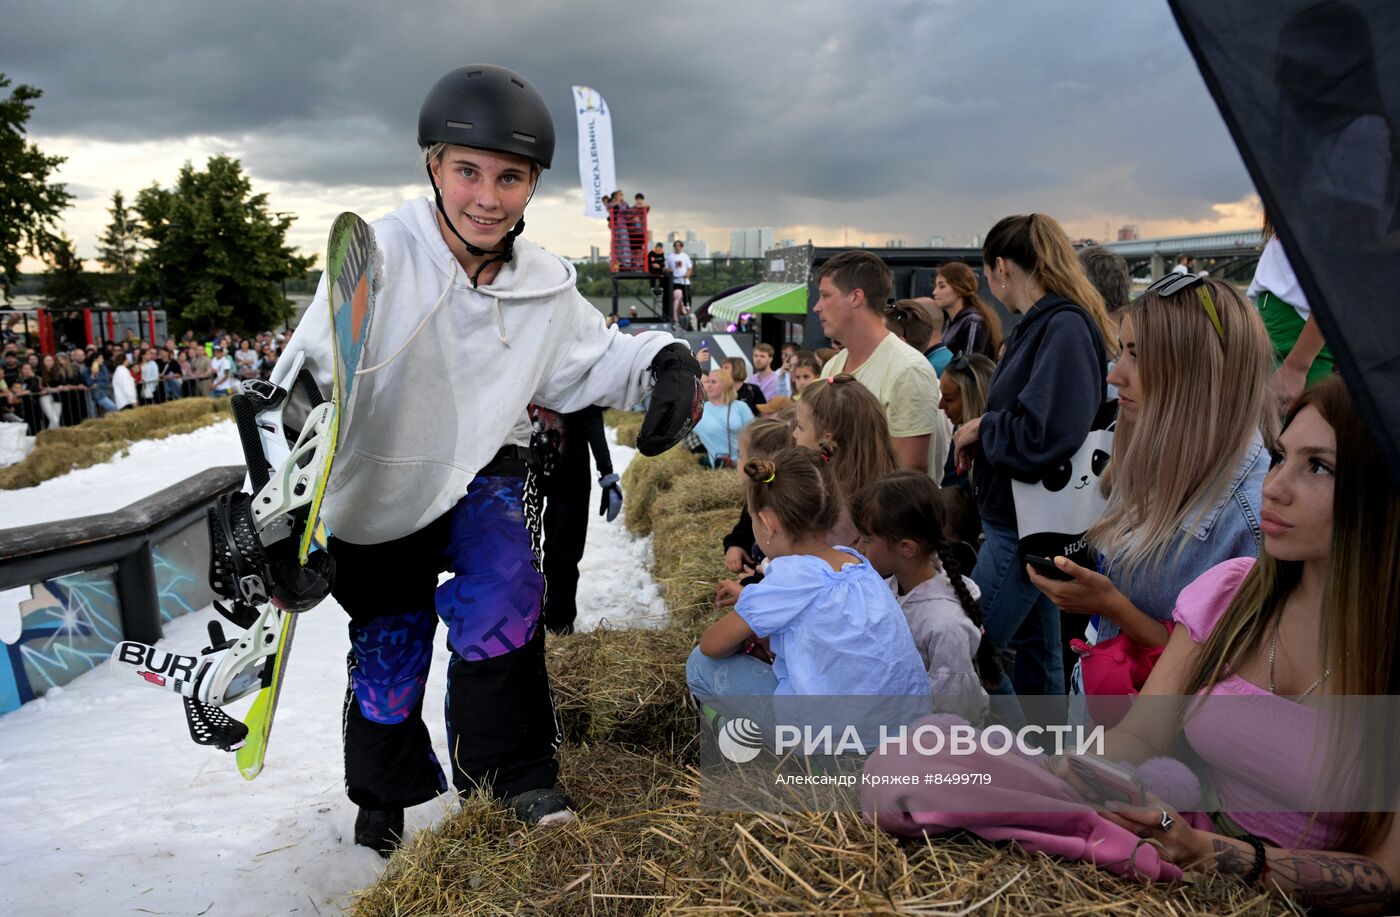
{"x": 739, "y": 675}
{"x": 1021, "y": 622}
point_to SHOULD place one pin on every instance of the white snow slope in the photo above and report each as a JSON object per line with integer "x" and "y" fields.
{"x": 107, "y": 806}
{"x": 145, "y": 468}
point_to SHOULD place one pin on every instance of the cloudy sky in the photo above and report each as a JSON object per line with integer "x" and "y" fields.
{"x": 827, "y": 120}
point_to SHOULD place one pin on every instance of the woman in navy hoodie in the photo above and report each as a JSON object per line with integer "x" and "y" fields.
{"x": 1040, "y": 407}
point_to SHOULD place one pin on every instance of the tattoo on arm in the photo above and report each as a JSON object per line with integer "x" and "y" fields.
{"x": 1330, "y": 880}
{"x": 1318, "y": 878}
{"x": 1231, "y": 858}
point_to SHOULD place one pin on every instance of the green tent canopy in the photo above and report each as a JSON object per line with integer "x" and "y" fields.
{"x": 784, "y": 298}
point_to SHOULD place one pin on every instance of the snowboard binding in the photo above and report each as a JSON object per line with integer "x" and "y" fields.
{"x": 255, "y": 539}
{"x": 243, "y": 569}
{"x": 254, "y": 563}
{"x": 225, "y": 671}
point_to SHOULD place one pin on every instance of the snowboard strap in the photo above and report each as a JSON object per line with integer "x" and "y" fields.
{"x": 211, "y": 726}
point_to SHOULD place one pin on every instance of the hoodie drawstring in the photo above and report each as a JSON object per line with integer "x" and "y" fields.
{"x": 500, "y": 321}
{"x": 446, "y": 295}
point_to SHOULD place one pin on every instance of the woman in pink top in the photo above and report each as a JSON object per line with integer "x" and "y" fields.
{"x": 1315, "y": 615}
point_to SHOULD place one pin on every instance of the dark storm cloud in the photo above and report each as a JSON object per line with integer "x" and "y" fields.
{"x": 913, "y": 117}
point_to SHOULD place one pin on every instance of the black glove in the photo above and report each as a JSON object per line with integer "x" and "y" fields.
{"x": 611, "y": 503}
{"x": 676, "y": 400}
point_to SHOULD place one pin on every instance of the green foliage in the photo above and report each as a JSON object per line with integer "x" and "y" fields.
{"x": 65, "y": 286}
{"x": 304, "y": 283}
{"x": 215, "y": 258}
{"x": 29, "y": 204}
{"x": 117, "y": 249}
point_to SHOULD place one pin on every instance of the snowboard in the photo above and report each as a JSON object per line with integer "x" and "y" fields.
{"x": 261, "y": 543}
{"x": 351, "y": 283}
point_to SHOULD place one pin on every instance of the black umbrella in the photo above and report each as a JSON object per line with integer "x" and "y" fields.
{"x": 1310, "y": 90}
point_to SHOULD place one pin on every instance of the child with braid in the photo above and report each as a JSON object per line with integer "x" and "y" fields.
{"x": 831, "y": 623}
{"x": 903, "y": 527}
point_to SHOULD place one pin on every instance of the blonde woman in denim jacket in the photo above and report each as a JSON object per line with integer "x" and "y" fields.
{"x": 1188, "y": 462}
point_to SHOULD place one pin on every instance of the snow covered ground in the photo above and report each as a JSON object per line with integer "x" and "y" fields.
{"x": 147, "y": 467}
{"x": 107, "y": 806}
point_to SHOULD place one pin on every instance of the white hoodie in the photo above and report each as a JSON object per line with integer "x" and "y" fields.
{"x": 428, "y": 420}
{"x": 123, "y": 387}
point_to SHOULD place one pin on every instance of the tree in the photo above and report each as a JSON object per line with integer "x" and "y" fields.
{"x": 29, "y": 204}
{"x": 215, "y": 256}
{"x": 117, "y": 250}
{"x": 65, "y": 286}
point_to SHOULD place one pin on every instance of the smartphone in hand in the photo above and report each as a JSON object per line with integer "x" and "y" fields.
{"x": 1106, "y": 781}
{"x": 1046, "y": 568}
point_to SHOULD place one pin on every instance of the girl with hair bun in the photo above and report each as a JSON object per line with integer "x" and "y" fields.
{"x": 764, "y": 438}
{"x": 904, "y": 533}
{"x": 827, "y": 617}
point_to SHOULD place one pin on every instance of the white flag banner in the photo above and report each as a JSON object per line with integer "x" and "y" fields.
{"x": 595, "y": 150}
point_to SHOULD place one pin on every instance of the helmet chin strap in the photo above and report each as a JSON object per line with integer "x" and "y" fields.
{"x": 504, "y": 254}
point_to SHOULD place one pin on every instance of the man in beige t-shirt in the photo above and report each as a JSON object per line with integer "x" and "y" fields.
{"x": 853, "y": 288}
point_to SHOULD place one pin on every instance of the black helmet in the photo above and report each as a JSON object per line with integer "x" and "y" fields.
{"x": 489, "y": 108}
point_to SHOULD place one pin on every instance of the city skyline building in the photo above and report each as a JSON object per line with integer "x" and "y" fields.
{"x": 751, "y": 242}
{"x": 695, "y": 246}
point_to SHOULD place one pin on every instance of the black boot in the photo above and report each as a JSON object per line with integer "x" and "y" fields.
{"x": 381, "y": 830}
{"x": 548, "y": 808}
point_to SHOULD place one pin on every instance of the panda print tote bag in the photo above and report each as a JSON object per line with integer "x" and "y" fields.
{"x": 1053, "y": 514}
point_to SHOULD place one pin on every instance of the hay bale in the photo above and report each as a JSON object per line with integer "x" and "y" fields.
{"x": 722, "y": 488}
{"x": 647, "y": 478}
{"x": 644, "y": 846}
{"x": 138, "y": 423}
{"x": 627, "y": 424}
{"x": 838, "y": 864}
{"x": 688, "y": 560}
{"x": 623, "y": 686}
{"x": 98, "y": 440}
{"x": 50, "y": 461}
{"x": 483, "y": 861}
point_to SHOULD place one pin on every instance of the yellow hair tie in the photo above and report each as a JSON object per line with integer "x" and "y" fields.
{"x": 769, "y": 479}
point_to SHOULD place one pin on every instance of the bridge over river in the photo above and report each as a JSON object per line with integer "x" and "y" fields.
{"x": 1228, "y": 255}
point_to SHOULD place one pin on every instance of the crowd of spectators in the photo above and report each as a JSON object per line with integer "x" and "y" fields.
{"x": 44, "y": 391}
{"x": 1228, "y": 555}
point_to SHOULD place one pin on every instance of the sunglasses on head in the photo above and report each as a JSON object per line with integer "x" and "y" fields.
{"x": 1172, "y": 284}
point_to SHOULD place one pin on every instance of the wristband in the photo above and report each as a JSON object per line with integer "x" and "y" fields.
{"x": 1260, "y": 861}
